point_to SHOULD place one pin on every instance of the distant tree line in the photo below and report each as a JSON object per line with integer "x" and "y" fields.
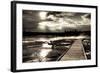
{"x": 66, "y": 33}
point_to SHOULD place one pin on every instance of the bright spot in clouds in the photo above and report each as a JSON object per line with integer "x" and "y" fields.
{"x": 50, "y": 25}
{"x": 53, "y": 26}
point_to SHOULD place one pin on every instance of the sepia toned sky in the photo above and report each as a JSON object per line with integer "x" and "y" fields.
{"x": 50, "y": 21}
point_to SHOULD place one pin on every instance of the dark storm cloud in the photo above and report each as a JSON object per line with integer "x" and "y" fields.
{"x": 30, "y": 20}
{"x": 55, "y": 21}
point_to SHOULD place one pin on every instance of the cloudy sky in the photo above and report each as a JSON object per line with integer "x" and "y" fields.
{"x": 50, "y": 21}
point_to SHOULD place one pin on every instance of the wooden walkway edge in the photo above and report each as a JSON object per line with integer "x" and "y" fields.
{"x": 76, "y": 52}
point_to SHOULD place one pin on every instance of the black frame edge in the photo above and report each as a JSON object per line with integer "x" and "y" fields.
{"x": 96, "y": 36}
{"x": 54, "y": 4}
{"x": 13, "y": 35}
{"x": 57, "y": 68}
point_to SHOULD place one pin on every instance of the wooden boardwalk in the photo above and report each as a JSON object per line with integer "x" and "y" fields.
{"x": 76, "y": 52}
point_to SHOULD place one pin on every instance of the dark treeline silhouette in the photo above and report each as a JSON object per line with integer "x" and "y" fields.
{"x": 68, "y": 33}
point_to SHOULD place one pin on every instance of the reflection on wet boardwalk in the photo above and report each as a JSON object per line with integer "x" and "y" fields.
{"x": 76, "y": 52}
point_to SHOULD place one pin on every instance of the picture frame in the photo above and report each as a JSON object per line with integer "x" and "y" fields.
{"x": 41, "y": 33}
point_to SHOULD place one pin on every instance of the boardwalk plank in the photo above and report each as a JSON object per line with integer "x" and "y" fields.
{"x": 75, "y": 52}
